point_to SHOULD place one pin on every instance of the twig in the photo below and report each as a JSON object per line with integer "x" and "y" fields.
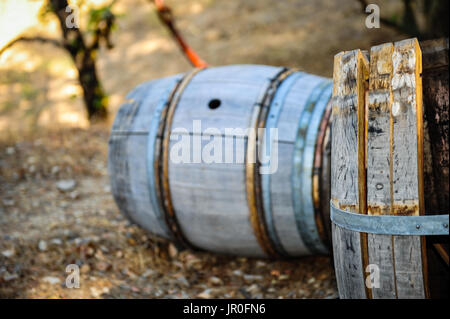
{"x": 166, "y": 17}
{"x": 32, "y": 39}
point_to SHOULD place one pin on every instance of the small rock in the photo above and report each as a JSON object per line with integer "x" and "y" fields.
{"x": 275, "y": 272}
{"x": 134, "y": 289}
{"x": 173, "y": 251}
{"x": 238, "y": 273}
{"x": 129, "y": 273}
{"x": 8, "y": 202}
{"x": 260, "y": 264}
{"x": 102, "y": 266}
{"x": 74, "y": 195}
{"x": 206, "y": 294}
{"x": 192, "y": 261}
{"x": 95, "y": 293}
{"x": 148, "y": 273}
{"x": 253, "y": 289}
{"x": 178, "y": 264}
{"x": 99, "y": 255}
{"x": 302, "y": 292}
{"x": 7, "y": 276}
{"x": 311, "y": 280}
{"x": 85, "y": 268}
{"x": 8, "y": 253}
{"x": 215, "y": 280}
{"x": 252, "y": 278}
{"x": 55, "y": 170}
{"x": 42, "y": 245}
{"x": 10, "y": 150}
{"x": 333, "y": 295}
{"x": 51, "y": 280}
{"x": 66, "y": 185}
{"x": 283, "y": 277}
{"x": 56, "y": 241}
{"x": 182, "y": 280}
{"x": 104, "y": 249}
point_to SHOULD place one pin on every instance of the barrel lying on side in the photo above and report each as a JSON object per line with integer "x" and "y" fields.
{"x": 389, "y": 183}
{"x": 185, "y": 165}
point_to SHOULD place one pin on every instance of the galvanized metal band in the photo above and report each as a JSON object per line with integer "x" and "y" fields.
{"x": 303, "y": 163}
{"x": 252, "y": 176}
{"x": 272, "y": 122}
{"x": 151, "y": 149}
{"x": 161, "y": 161}
{"x": 428, "y": 225}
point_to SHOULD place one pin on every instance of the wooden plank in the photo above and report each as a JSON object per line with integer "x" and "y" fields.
{"x": 348, "y": 255}
{"x": 296, "y": 101}
{"x": 282, "y": 205}
{"x": 435, "y": 81}
{"x": 210, "y": 202}
{"x": 436, "y": 124}
{"x": 380, "y": 247}
{"x": 362, "y": 88}
{"x": 407, "y": 166}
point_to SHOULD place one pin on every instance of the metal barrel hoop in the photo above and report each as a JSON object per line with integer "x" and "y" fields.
{"x": 161, "y": 160}
{"x": 252, "y": 170}
{"x": 303, "y": 161}
{"x": 272, "y": 122}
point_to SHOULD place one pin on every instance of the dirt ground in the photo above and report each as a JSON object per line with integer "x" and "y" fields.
{"x": 45, "y": 139}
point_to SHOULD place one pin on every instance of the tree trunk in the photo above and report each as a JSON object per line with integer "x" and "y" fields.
{"x": 84, "y": 59}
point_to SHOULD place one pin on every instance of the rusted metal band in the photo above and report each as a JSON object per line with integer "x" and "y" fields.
{"x": 161, "y": 160}
{"x": 152, "y": 177}
{"x": 317, "y": 186}
{"x": 252, "y": 167}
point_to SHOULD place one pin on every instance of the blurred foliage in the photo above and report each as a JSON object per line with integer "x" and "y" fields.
{"x": 424, "y": 19}
{"x": 97, "y": 16}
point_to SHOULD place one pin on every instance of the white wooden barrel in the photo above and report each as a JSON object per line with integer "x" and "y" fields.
{"x": 225, "y": 203}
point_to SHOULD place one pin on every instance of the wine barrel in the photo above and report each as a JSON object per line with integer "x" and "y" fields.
{"x": 221, "y": 196}
{"x": 389, "y": 174}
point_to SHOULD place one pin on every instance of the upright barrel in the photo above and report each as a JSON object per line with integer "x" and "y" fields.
{"x": 231, "y": 159}
{"x": 389, "y": 176}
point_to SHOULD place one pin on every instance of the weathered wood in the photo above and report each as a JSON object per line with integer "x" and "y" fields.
{"x": 407, "y": 166}
{"x": 405, "y": 173}
{"x": 436, "y": 156}
{"x": 209, "y": 198}
{"x": 436, "y": 123}
{"x": 380, "y": 247}
{"x": 348, "y": 99}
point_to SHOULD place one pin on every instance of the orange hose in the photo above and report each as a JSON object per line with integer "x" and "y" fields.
{"x": 165, "y": 15}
